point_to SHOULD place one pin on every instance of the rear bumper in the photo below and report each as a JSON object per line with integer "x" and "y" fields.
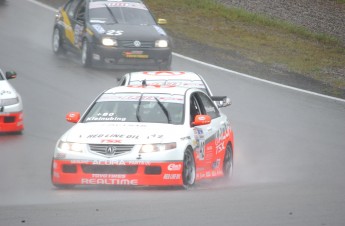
{"x": 11, "y": 122}
{"x": 130, "y": 173}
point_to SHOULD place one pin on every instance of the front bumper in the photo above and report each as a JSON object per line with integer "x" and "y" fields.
{"x": 11, "y": 122}
{"x": 130, "y": 173}
{"x": 124, "y": 57}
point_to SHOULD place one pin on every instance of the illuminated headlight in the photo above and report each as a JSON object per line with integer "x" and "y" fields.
{"x": 109, "y": 42}
{"x": 69, "y": 146}
{"x": 161, "y": 43}
{"x": 10, "y": 101}
{"x": 148, "y": 148}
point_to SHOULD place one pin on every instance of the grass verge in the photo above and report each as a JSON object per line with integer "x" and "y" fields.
{"x": 255, "y": 37}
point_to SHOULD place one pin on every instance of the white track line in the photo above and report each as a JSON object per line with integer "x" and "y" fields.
{"x": 224, "y": 69}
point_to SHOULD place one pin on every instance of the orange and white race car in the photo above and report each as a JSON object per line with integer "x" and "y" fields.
{"x": 11, "y": 107}
{"x": 145, "y": 135}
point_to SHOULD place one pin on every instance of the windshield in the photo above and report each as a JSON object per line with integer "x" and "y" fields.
{"x": 136, "y": 107}
{"x": 120, "y": 12}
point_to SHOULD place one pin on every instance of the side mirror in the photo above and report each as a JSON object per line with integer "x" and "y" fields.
{"x": 162, "y": 21}
{"x": 200, "y": 120}
{"x": 11, "y": 74}
{"x": 222, "y": 101}
{"x": 73, "y": 117}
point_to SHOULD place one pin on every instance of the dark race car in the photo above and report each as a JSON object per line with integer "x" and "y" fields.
{"x": 112, "y": 33}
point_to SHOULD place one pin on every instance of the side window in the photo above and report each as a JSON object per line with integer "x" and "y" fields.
{"x": 80, "y": 15}
{"x": 210, "y": 108}
{"x": 71, "y": 8}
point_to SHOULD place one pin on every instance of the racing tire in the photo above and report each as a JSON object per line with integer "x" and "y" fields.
{"x": 86, "y": 54}
{"x": 189, "y": 169}
{"x": 228, "y": 162}
{"x": 57, "y": 42}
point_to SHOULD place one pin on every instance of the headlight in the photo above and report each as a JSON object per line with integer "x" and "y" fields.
{"x": 161, "y": 43}
{"x": 109, "y": 42}
{"x": 10, "y": 101}
{"x": 148, "y": 148}
{"x": 69, "y": 146}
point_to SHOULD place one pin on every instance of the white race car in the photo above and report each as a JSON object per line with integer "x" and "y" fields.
{"x": 11, "y": 107}
{"x": 145, "y": 135}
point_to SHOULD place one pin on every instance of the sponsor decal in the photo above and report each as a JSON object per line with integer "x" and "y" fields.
{"x": 200, "y": 143}
{"x": 119, "y": 136}
{"x": 3, "y": 92}
{"x": 164, "y": 73}
{"x": 174, "y": 167}
{"x": 98, "y": 28}
{"x": 185, "y": 138}
{"x": 120, "y": 162}
{"x": 172, "y": 176}
{"x": 109, "y": 181}
{"x": 135, "y": 54}
{"x": 118, "y": 176}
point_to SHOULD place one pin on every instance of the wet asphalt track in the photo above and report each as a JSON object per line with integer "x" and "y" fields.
{"x": 289, "y": 150}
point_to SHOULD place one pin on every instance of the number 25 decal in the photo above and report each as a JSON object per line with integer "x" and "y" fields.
{"x": 114, "y": 32}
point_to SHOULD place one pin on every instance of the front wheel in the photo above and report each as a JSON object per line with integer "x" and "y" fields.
{"x": 189, "y": 171}
{"x": 228, "y": 162}
{"x": 57, "y": 42}
{"x": 86, "y": 54}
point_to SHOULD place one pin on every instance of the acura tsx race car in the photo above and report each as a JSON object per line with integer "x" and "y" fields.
{"x": 112, "y": 33}
{"x": 145, "y": 135}
{"x": 11, "y": 107}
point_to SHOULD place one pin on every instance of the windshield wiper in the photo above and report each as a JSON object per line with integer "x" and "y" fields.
{"x": 138, "y": 107}
{"x": 164, "y": 110}
{"x": 111, "y": 13}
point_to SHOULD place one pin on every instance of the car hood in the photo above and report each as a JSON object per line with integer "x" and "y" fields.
{"x": 122, "y": 133}
{"x": 130, "y": 32}
{"x": 6, "y": 90}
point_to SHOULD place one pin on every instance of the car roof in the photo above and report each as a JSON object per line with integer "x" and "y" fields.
{"x": 173, "y": 90}
{"x": 163, "y": 75}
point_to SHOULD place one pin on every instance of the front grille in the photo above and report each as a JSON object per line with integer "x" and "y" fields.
{"x": 130, "y": 44}
{"x": 110, "y": 150}
{"x": 112, "y": 169}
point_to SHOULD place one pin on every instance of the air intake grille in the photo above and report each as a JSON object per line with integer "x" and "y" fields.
{"x": 110, "y": 150}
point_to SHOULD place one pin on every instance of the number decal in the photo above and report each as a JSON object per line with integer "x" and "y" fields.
{"x": 114, "y": 32}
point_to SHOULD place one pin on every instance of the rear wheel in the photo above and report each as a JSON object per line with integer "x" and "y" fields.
{"x": 57, "y": 42}
{"x": 86, "y": 54}
{"x": 188, "y": 172}
{"x": 228, "y": 162}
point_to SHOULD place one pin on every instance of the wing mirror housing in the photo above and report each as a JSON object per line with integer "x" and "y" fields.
{"x": 200, "y": 120}
{"x": 222, "y": 101}
{"x": 161, "y": 21}
{"x": 11, "y": 74}
{"x": 73, "y": 117}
